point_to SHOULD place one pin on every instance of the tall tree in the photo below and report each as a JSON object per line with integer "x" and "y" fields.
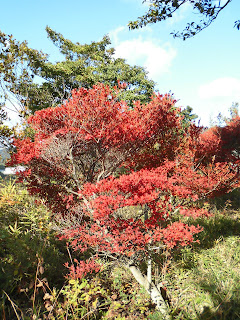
{"x": 18, "y": 68}
{"x": 29, "y": 79}
{"x": 160, "y": 10}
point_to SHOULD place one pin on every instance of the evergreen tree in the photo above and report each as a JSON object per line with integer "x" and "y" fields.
{"x": 29, "y": 79}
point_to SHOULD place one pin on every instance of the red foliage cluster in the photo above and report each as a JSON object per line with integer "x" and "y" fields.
{"x": 82, "y": 268}
{"x": 90, "y": 137}
{"x": 222, "y": 142}
{"x": 128, "y": 174}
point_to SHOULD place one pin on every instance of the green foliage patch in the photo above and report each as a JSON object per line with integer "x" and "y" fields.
{"x": 205, "y": 285}
{"x": 201, "y": 283}
{"x": 28, "y": 244}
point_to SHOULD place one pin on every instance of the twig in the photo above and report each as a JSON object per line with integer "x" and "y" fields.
{"x": 69, "y": 255}
{"x": 13, "y": 305}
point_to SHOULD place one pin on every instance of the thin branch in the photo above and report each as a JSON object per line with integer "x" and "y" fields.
{"x": 14, "y": 306}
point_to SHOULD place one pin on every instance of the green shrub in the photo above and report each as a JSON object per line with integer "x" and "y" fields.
{"x": 29, "y": 247}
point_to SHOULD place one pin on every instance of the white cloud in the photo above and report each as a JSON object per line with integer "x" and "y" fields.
{"x": 114, "y": 34}
{"x": 180, "y": 14}
{"x": 220, "y": 88}
{"x": 123, "y": 32}
{"x": 208, "y": 110}
{"x": 143, "y": 50}
{"x": 156, "y": 58}
{"x": 215, "y": 97}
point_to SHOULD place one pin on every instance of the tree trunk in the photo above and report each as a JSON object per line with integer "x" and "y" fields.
{"x": 153, "y": 291}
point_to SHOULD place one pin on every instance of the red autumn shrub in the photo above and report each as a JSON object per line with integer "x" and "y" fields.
{"x": 222, "y": 142}
{"x": 123, "y": 175}
{"x": 90, "y": 138}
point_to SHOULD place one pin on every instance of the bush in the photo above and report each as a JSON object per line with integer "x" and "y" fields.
{"x": 32, "y": 271}
{"x": 29, "y": 248}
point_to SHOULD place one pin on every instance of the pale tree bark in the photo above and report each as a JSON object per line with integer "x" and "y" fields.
{"x": 151, "y": 288}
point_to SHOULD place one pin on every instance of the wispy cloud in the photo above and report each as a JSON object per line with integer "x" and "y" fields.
{"x": 221, "y": 87}
{"x": 155, "y": 58}
{"x": 116, "y": 33}
{"x": 180, "y": 14}
{"x": 145, "y": 51}
{"x": 216, "y": 97}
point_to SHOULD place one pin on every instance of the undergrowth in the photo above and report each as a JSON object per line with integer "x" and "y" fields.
{"x": 201, "y": 283}
{"x": 204, "y": 281}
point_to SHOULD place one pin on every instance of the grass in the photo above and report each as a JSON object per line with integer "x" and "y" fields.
{"x": 202, "y": 282}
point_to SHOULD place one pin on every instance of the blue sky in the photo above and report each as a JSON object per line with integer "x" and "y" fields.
{"x": 203, "y": 72}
